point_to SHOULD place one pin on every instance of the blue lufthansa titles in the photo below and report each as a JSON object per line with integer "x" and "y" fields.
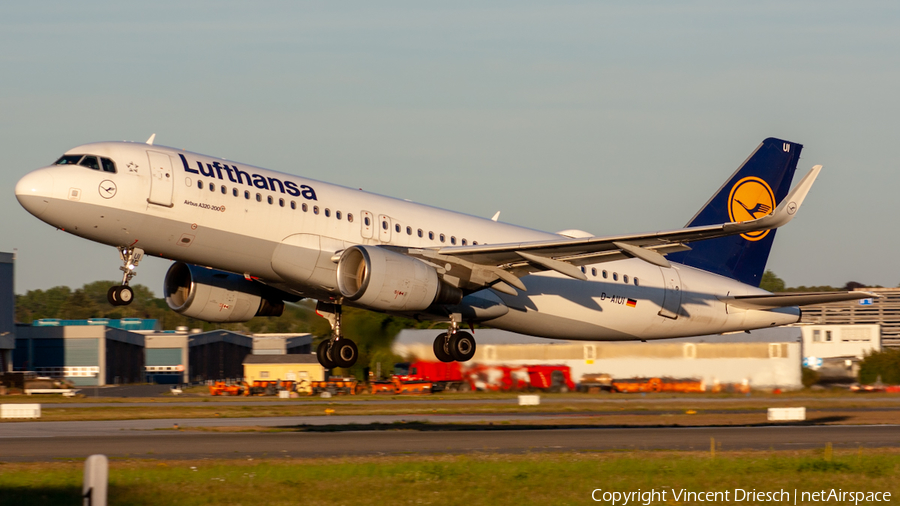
{"x": 236, "y": 175}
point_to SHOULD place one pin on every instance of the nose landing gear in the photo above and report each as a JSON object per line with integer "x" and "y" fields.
{"x": 338, "y": 351}
{"x": 122, "y": 295}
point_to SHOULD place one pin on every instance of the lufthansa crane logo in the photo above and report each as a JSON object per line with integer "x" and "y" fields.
{"x": 108, "y": 189}
{"x": 750, "y": 198}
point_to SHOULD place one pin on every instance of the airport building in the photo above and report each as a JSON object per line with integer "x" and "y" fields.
{"x": 7, "y": 311}
{"x": 883, "y": 311}
{"x": 282, "y": 344}
{"x": 218, "y": 355}
{"x": 767, "y": 358}
{"x": 85, "y": 355}
{"x": 292, "y": 367}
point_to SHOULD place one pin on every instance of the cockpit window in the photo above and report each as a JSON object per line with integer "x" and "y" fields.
{"x": 108, "y": 165}
{"x": 90, "y": 162}
{"x": 69, "y": 160}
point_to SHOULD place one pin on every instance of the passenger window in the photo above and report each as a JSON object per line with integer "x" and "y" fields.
{"x": 384, "y": 225}
{"x": 625, "y": 279}
{"x": 270, "y": 199}
{"x": 315, "y": 209}
{"x": 304, "y": 207}
{"x": 90, "y": 162}
{"x": 108, "y": 165}
{"x": 604, "y": 275}
{"x": 234, "y": 191}
{"x": 615, "y": 276}
{"x": 431, "y": 235}
{"x": 199, "y": 184}
{"x": 259, "y": 197}
{"x": 224, "y": 190}
{"x": 212, "y": 187}
{"x": 594, "y": 271}
{"x": 337, "y": 214}
{"x": 420, "y": 232}
{"x": 293, "y": 205}
{"x": 583, "y": 269}
{"x": 452, "y": 239}
{"x": 463, "y": 242}
{"x": 246, "y": 194}
{"x": 636, "y": 282}
{"x": 474, "y": 243}
{"x": 327, "y": 213}
{"x": 68, "y": 160}
{"x": 281, "y": 202}
{"x": 367, "y": 221}
{"x": 350, "y": 217}
{"x": 442, "y": 237}
{"x": 397, "y": 227}
{"x": 408, "y": 230}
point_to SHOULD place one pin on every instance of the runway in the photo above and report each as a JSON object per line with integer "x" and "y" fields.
{"x": 322, "y": 437}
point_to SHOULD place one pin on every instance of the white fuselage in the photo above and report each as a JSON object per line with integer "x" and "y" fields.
{"x": 285, "y": 229}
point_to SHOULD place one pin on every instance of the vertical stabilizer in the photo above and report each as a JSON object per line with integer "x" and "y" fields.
{"x": 753, "y": 191}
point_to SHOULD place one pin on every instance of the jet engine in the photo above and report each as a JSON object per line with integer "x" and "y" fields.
{"x": 379, "y": 278}
{"x": 217, "y": 296}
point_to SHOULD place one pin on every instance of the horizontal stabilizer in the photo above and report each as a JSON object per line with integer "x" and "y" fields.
{"x": 777, "y": 300}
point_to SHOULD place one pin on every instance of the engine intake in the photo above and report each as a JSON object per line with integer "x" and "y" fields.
{"x": 379, "y": 278}
{"x": 217, "y": 296}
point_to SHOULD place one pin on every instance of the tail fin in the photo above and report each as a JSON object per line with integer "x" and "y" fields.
{"x": 753, "y": 191}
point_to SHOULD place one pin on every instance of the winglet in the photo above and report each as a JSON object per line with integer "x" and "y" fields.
{"x": 496, "y": 216}
{"x": 150, "y": 140}
{"x": 788, "y": 207}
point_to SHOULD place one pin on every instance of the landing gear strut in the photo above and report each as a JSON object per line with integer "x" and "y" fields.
{"x": 338, "y": 351}
{"x": 454, "y": 344}
{"x": 122, "y": 295}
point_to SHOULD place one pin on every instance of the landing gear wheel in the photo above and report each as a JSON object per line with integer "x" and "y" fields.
{"x": 440, "y": 349}
{"x": 324, "y": 355}
{"x": 113, "y": 295}
{"x": 462, "y": 346}
{"x": 344, "y": 353}
{"x": 125, "y": 295}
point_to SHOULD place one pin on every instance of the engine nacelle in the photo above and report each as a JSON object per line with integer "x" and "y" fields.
{"x": 379, "y": 278}
{"x": 216, "y": 296}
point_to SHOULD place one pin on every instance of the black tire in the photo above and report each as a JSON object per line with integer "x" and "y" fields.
{"x": 113, "y": 295}
{"x": 440, "y": 349}
{"x": 344, "y": 353}
{"x": 125, "y": 295}
{"x": 323, "y": 355}
{"x": 462, "y": 346}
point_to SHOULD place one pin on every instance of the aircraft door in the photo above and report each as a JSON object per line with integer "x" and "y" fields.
{"x": 672, "y": 296}
{"x": 162, "y": 179}
{"x": 368, "y": 224}
{"x": 384, "y": 228}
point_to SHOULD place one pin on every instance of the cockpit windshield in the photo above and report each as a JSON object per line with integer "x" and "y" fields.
{"x": 89, "y": 161}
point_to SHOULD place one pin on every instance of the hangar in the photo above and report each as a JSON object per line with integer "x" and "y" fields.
{"x": 86, "y": 355}
{"x": 7, "y": 311}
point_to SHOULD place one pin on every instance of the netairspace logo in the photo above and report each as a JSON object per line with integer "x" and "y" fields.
{"x": 738, "y": 495}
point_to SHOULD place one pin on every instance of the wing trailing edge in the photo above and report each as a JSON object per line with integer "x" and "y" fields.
{"x": 778, "y": 300}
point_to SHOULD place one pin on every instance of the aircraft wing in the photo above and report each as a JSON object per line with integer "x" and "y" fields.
{"x": 501, "y": 265}
{"x": 776, "y": 300}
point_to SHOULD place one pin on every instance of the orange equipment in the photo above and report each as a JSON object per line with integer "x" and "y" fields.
{"x": 222, "y": 388}
{"x": 335, "y": 386}
{"x": 399, "y": 387}
{"x": 640, "y": 385}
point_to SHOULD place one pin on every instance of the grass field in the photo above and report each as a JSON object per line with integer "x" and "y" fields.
{"x": 535, "y": 479}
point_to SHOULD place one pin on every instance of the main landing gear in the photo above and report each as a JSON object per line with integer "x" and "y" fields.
{"x": 338, "y": 351}
{"x": 122, "y": 295}
{"x": 454, "y": 344}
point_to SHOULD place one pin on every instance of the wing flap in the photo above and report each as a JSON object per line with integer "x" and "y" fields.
{"x": 777, "y": 300}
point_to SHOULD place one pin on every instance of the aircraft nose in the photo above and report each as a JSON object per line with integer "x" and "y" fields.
{"x": 34, "y": 190}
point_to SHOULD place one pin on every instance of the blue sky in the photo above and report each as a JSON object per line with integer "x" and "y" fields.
{"x": 604, "y": 116}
